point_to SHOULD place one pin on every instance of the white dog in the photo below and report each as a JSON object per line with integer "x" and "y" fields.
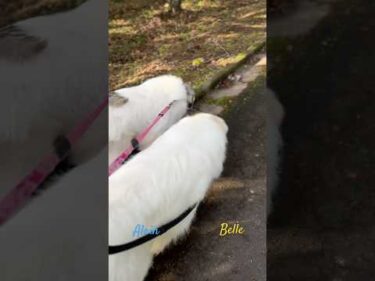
{"x": 158, "y": 185}
{"x": 275, "y": 115}
{"x": 53, "y": 72}
{"x": 132, "y": 109}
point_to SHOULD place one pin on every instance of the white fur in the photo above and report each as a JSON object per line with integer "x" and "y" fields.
{"x": 159, "y": 184}
{"x": 275, "y": 115}
{"x": 43, "y": 96}
{"x": 143, "y": 104}
{"x": 48, "y": 93}
{"x": 57, "y": 236}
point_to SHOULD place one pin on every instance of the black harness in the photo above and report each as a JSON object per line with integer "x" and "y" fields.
{"x": 162, "y": 229}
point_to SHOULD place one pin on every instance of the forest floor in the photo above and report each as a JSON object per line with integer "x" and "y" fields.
{"x": 208, "y": 35}
{"x": 146, "y": 41}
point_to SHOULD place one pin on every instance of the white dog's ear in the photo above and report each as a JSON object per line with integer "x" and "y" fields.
{"x": 116, "y": 100}
{"x": 17, "y": 46}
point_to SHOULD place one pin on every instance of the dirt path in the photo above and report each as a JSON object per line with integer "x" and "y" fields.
{"x": 323, "y": 223}
{"x": 238, "y": 197}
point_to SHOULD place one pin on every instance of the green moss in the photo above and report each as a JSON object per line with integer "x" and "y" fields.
{"x": 225, "y": 101}
{"x": 197, "y": 61}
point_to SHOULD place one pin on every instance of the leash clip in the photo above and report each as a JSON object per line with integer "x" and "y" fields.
{"x": 135, "y": 145}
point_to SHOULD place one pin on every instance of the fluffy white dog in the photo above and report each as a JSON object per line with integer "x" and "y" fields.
{"x": 132, "y": 109}
{"x": 275, "y": 115}
{"x": 53, "y": 72}
{"x": 158, "y": 185}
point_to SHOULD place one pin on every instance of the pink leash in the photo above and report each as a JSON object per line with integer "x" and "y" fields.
{"x": 119, "y": 161}
{"x": 22, "y": 192}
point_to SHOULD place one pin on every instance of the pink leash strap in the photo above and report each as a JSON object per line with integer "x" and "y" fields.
{"x": 119, "y": 161}
{"x": 22, "y": 192}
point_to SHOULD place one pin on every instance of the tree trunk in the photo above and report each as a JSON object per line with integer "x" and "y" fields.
{"x": 175, "y": 6}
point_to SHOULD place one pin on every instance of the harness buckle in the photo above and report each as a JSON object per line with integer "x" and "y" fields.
{"x": 62, "y": 146}
{"x": 135, "y": 144}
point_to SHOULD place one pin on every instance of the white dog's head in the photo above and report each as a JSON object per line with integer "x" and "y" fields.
{"x": 132, "y": 109}
{"x": 211, "y": 121}
{"x": 207, "y": 133}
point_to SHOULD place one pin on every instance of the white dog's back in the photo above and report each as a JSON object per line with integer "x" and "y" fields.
{"x": 48, "y": 92}
{"x": 59, "y": 84}
{"x": 159, "y": 184}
